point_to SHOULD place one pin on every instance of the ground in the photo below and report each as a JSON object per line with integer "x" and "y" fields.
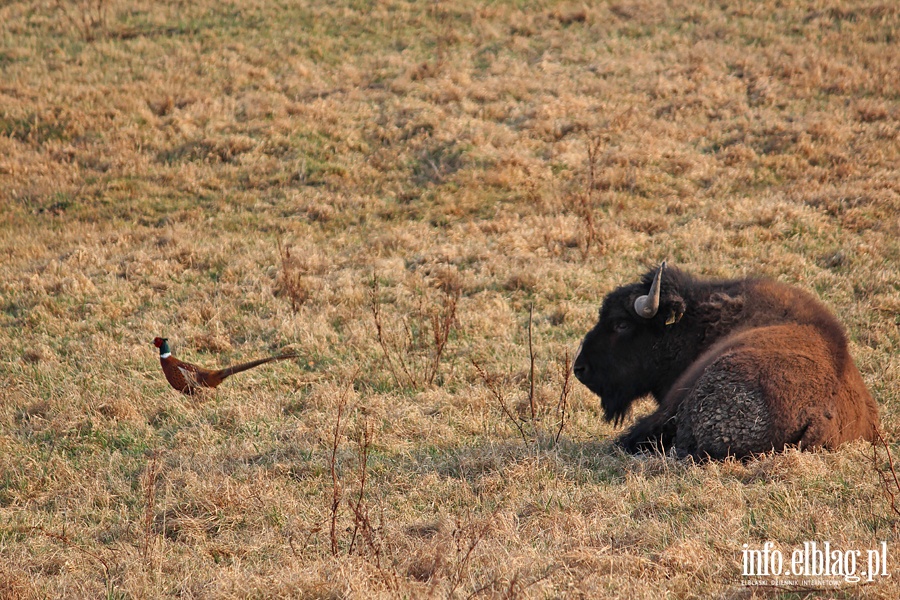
{"x": 426, "y": 201}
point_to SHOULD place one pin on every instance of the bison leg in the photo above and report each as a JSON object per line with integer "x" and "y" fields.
{"x": 653, "y": 433}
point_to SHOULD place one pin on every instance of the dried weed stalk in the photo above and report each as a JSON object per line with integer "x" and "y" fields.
{"x": 586, "y": 200}
{"x": 362, "y": 524}
{"x": 491, "y": 383}
{"x": 515, "y": 587}
{"x": 291, "y": 279}
{"x": 87, "y": 17}
{"x": 104, "y": 562}
{"x": 445, "y": 36}
{"x": 531, "y": 402}
{"x": 889, "y": 477}
{"x": 151, "y": 475}
{"x": 442, "y": 321}
{"x": 565, "y": 390}
{"x": 466, "y": 539}
{"x": 362, "y": 530}
{"x": 401, "y": 355}
{"x": 336, "y": 490}
{"x": 536, "y": 412}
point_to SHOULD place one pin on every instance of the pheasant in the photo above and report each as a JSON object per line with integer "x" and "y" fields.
{"x": 188, "y": 378}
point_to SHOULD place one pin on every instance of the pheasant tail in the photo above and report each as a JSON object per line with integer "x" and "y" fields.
{"x": 227, "y": 372}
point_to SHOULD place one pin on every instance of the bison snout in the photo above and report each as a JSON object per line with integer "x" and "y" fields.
{"x": 580, "y": 372}
{"x": 579, "y": 368}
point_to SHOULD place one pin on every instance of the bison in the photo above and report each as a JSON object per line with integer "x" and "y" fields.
{"x": 737, "y": 367}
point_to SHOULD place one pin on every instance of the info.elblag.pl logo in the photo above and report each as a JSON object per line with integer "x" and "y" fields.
{"x": 814, "y": 563}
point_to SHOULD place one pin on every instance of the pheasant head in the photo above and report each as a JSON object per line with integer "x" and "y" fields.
{"x": 163, "y": 345}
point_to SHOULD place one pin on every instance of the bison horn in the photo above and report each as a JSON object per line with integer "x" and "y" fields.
{"x": 647, "y": 306}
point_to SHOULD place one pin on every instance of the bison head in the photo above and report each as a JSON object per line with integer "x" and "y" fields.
{"x": 632, "y": 351}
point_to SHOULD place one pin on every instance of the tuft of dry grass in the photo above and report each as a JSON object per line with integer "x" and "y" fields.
{"x": 232, "y": 176}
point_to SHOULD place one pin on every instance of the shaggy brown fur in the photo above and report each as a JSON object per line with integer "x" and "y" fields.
{"x": 737, "y": 367}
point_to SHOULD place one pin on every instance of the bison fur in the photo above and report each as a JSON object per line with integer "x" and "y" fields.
{"x": 736, "y": 367}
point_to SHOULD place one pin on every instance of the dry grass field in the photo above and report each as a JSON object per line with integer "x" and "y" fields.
{"x": 407, "y": 193}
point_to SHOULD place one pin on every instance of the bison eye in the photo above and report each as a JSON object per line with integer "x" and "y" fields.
{"x": 622, "y": 326}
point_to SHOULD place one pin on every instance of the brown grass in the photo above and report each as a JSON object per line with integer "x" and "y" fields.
{"x": 232, "y": 175}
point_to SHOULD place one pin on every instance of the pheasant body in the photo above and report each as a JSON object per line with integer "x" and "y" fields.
{"x": 188, "y": 378}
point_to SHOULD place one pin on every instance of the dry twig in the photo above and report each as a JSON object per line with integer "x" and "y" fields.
{"x": 891, "y": 483}
{"x": 64, "y": 539}
{"x": 585, "y": 208}
{"x": 150, "y": 477}
{"x": 531, "y": 402}
{"x": 441, "y": 324}
{"x": 563, "y": 403}
{"x": 462, "y": 562}
{"x": 336, "y": 490}
{"x": 381, "y": 334}
{"x": 400, "y": 357}
{"x": 362, "y": 524}
{"x": 498, "y": 395}
{"x": 85, "y": 17}
{"x": 291, "y": 279}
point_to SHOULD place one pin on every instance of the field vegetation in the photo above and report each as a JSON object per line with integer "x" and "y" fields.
{"x": 426, "y": 201}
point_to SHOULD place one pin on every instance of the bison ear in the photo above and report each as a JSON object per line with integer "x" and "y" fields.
{"x": 674, "y": 307}
{"x": 674, "y": 317}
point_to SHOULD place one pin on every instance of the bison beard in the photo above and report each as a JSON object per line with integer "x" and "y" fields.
{"x": 737, "y": 367}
